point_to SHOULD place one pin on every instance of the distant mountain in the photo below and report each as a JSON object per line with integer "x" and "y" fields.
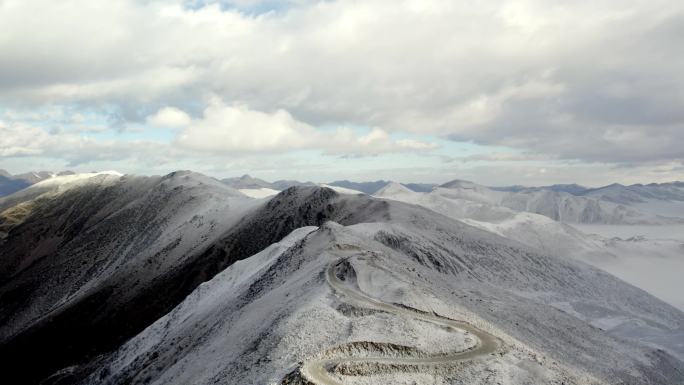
{"x": 394, "y": 189}
{"x": 625, "y": 258}
{"x": 250, "y": 183}
{"x": 557, "y": 205}
{"x": 616, "y": 193}
{"x": 534, "y": 230}
{"x": 374, "y": 187}
{"x": 420, "y": 187}
{"x": 573, "y": 188}
{"x": 638, "y": 193}
{"x": 11, "y": 183}
{"x": 285, "y": 184}
{"x": 245, "y": 182}
{"x": 35, "y": 177}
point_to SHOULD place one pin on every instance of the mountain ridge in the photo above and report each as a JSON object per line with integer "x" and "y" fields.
{"x": 85, "y": 264}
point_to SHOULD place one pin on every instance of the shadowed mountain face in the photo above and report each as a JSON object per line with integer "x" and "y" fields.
{"x": 82, "y": 270}
{"x": 9, "y": 185}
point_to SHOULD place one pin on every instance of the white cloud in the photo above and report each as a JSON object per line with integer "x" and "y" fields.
{"x": 236, "y": 128}
{"x": 587, "y": 79}
{"x": 345, "y": 141}
{"x": 20, "y": 141}
{"x": 232, "y": 129}
{"x": 169, "y": 117}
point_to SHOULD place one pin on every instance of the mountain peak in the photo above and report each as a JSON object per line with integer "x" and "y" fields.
{"x": 246, "y": 181}
{"x": 392, "y": 189}
{"x": 459, "y": 183}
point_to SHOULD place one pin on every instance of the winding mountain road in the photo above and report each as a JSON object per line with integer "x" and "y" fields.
{"x": 316, "y": 371}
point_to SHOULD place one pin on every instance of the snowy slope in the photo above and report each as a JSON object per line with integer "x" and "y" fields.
{"x": 259, "y": 193}
{"x": 541, "y": 308}
{"x": 119, "y": 267}
{"x": 626, "y": 257}
{"x": 341, "y": 190}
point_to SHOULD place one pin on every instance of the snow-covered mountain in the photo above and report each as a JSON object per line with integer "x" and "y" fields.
{"x": 373, "y": 187}
{"x": 112, "y": 243}
{"x": 638, "y": 193}
{"x": 260, "y": 188}
{"x": 616, "y": 192}
{"x": 557, "y": 205}
{"x": 180, "y": 279}
{"x": 534, "y": 230}
{"x": 666, "y": 199}
{"x": 626, "y": 257}
{"x": 95, "y": 253}
{"x": 548, "y": 316}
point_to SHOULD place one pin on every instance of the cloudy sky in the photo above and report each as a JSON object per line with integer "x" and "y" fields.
{"x": 497, "y": 91}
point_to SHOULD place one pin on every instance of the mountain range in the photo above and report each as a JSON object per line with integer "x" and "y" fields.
{"x": 176, "y": 279}
{"x": 616, "y": 193}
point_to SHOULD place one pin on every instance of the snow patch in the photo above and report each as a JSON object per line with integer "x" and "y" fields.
{"x": 259, "y": 193}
